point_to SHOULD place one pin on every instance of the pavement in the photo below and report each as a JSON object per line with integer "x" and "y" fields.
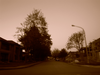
{"x": 32, "y": 64}
{"x": 53, "y": 68}
{"x": 19, "y": 67}
{"x": 97, "y": 66}
{"x": 91, "y": 66}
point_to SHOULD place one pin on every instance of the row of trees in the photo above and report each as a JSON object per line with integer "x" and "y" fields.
{"x": 56, "y": 53}
{"x": 76, "y": 40}
{"x": 34, "y": 37}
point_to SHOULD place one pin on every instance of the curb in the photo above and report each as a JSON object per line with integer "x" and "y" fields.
{"x": 90, "y": 66}
{"x": 84, "y": 65}
{"x": 19, "y": 67}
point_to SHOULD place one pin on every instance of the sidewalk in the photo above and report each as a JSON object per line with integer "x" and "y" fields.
{"x": 90, "y": 66}
{"x": 93, "y": 66}
{"x": 19, "y": 67}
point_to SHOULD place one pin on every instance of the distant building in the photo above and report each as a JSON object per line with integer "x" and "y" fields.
{"x": 9, "y": 51}
{"x": 83, "y": 54}
{"x": 73, "y": 55}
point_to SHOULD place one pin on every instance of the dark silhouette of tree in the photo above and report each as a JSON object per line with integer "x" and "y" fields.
{"x": 55, "y": 53}
{"x": 76, "y": 41}
{"x": 34, "y": 37}
{"x": 63, "y": 53}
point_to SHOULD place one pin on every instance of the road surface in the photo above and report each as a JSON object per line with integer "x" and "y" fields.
{"x": 53, "y": 68}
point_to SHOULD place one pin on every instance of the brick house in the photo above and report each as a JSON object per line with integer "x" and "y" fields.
{"x": 9, "y": 51}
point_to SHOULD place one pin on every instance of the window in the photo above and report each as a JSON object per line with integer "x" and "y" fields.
{"x": 4, "y": 46}
{"x": 4, "y": 57}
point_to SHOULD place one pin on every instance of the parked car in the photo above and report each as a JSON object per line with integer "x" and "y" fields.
{"x": 69, "y": 60}
{"x": 76, "y": 61}
{"x": 57, "y": 59}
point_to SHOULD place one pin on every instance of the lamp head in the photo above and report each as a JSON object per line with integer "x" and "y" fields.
{"x": 73, "y": 25}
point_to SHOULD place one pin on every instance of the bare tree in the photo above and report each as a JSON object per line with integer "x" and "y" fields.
{"x": 76, "y": 40}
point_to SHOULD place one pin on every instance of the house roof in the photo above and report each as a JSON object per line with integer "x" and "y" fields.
{"x": 96, "y": 43}
{"x": 97, "y": 40}
{"x": 2, "y": 39}
{"x": 8, "y": 41}
{"x": 84, "y": 49}
{"x": 12, "y": 42}
{"x": 73, "y": 52}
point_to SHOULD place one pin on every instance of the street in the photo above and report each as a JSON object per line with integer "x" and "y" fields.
{"x": 53, "y": 68}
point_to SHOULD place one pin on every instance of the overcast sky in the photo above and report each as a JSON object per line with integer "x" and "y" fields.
{"x": 59, "y": 14}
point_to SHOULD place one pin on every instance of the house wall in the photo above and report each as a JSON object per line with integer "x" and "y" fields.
{"x": 9, "y": 51}
{"x": 96, "y": 50}
{"x": 0, "y": 49}
{"x": 4, "y": 51}
{"x": 99, "y": 55}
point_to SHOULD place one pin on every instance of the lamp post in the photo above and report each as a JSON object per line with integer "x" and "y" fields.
{"x": 85, "y": 41}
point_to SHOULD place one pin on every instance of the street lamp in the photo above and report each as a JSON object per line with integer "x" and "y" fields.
{"x": 85, "y": 41}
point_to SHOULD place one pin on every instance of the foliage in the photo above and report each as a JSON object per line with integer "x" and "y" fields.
{"x": 55, "y": 53}
{"x": 63, "y": 53}
{"x": 33, "y": 35}
{"x": 75, "y": 40}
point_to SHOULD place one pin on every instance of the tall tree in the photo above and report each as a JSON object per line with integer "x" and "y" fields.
{"x": 76, "y": 41}
{"x": 33, "y": 35}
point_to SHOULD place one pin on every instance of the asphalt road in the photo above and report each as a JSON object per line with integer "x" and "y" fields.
{"x": 53, "y": 68}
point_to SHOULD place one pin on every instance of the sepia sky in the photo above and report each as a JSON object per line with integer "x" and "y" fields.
{"x": 59, "y": 14}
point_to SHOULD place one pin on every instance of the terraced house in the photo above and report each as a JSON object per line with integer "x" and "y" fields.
{"x": 10, "y": 51}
